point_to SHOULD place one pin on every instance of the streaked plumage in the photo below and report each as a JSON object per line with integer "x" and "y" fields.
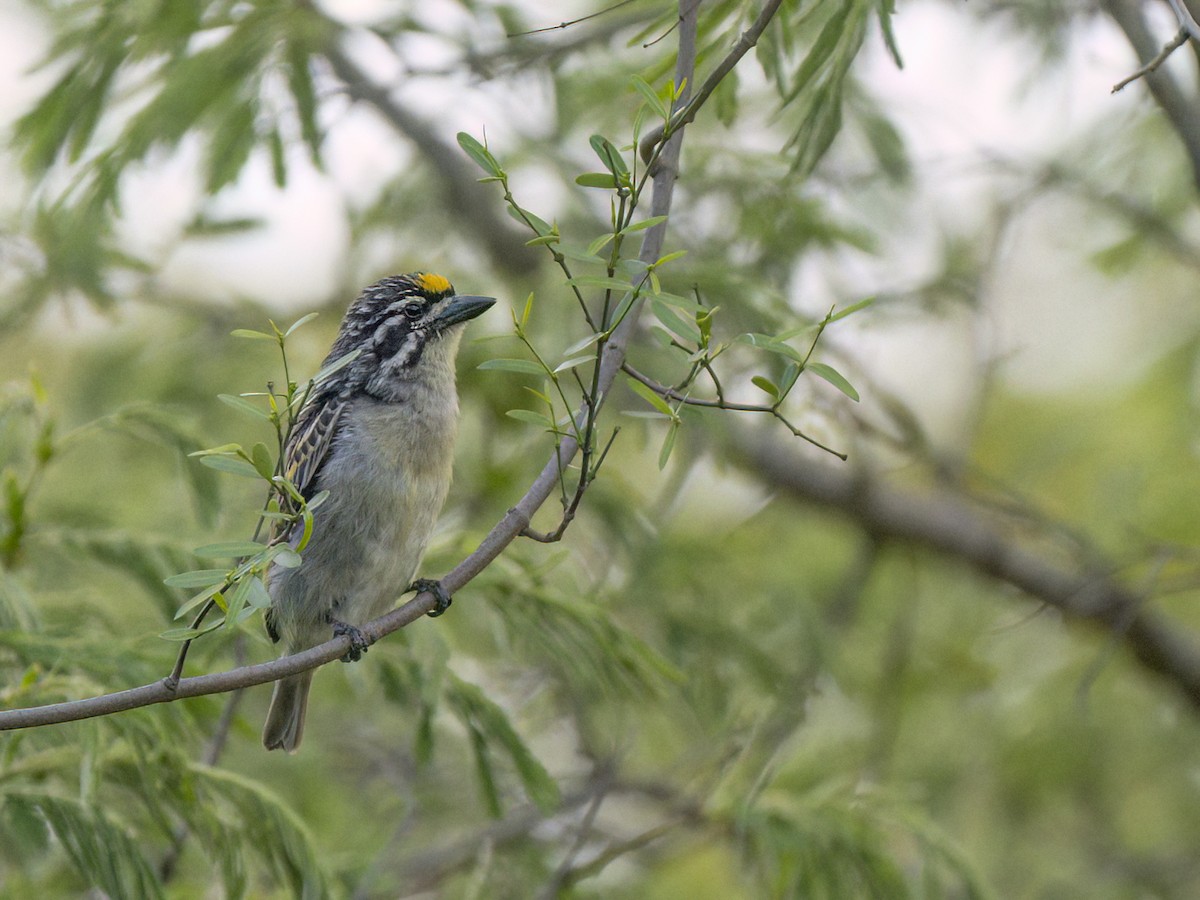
{"x": 379, "y": 436}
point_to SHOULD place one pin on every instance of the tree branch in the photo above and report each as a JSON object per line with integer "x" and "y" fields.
{"x": 1181, "y": 110}
{"x": 1161, "y": 57}
{"x": 687, "y": 114}
{"x": 501, "y": 535}
{"x": 948, "y": 524}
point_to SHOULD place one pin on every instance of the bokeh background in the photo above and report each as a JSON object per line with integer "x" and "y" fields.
{"x": 754, "y": 670}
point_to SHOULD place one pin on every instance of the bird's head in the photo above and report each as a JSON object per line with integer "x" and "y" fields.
{"x": 405, "y": 327}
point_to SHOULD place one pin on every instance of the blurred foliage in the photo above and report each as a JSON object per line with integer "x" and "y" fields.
{"x": 704, "y": 690}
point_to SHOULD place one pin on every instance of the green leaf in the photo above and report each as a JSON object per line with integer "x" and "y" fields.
{"x": 668, "y": 444}
{"x": 230, "y": 144}
{"x": 575, "y": 252}
{"x": 765, "y": 384}
{"x": 263, "y": 461}
{"x": 482, "y": 156}
{"x": 651, "y": 397}
{"x": 609, "y": 155}
{"x": 286, "y": 558}
{"x": 190, "y": 634}
{"x": 340, "y": 363}
{"x": 604, "y": 180}
{"x": 243, "y": 405}
{"x": 303, "y": 320}
{"x": 581, "y": 344}
{"x": 197, "y": 578}
{"x": 834, "y": 377}
{"x": 278, "y": 158}
{"x": 600, "y": 281}
{"x": 531, "y": 417}
{"x": 300, "y": 84}
{"x": 253, "y": 335}
{"x": 644, "y": 224}
{"x": 256, "y": 594}
{"x": 651, "y": 97}
{"x": 223, "y": 450}
{"x": 530, "y": 220}
{"x": 102, "y": 852}
{"x": 852, "y": 309}
{"x": 687, "y": 330}
{"x": 522, "y": 366}
{"x": 237, "y": 601}
{"x": 599, "y": 244}
{"x": 573, "y": 362}
{"x": 229, "y": 549}
{"x": 230, "y": 464}
{"x": 197, "y": 599}
{"x": 886, "y": 9}
{"x": 771, "y": 345}
{"x": 790, "y": 373}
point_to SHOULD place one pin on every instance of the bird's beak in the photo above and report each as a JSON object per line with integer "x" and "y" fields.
{"x": 460, "y": 309}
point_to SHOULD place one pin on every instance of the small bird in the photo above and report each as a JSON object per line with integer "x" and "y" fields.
{"x": 378, "y": 435}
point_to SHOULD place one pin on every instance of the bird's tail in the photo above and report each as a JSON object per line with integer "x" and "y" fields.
{"x": 285, "y": 720}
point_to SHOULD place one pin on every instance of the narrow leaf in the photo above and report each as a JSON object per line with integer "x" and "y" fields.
{"x": 531, "y": 417}
{"x": 850, "y": 310}
{"x": 241, "y": 404}
{"x": 604, "y": 180}
{"x": 482, "y": 156}
{"x": 339, "y": 363}
{"x": 230, "y": 464}
{"x": 668, "y": 445}
{"x": 644, "y": 224}
{"x": 303, "y": 320}
{"x": 834, "y": 377}
{"x": 249, "y": 334}
{"x": 229, "y": 550}
{"x": 522, "y": 366}
{"x": 765, "y": 384}
{"x": 609, "y": 155}
{"x": 197, "y": 578}
{"x": 651, "y": 397}
{"x": 650, "y": 96}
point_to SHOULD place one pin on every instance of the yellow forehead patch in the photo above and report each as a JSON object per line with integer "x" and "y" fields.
{"x": 434, "y": 284}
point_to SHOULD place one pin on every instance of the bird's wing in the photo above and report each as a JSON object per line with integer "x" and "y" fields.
{"x": 309, "y": 445}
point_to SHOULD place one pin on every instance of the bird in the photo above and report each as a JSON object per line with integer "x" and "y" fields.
{"x": 378, "y": 435}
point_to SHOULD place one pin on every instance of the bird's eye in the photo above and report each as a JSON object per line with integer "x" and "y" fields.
{"x": 413, "y": 310}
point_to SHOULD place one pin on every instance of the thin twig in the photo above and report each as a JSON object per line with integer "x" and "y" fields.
{"x": 1168, "y": 48}
{"x": 564, "y": 25}
{"x": 686, "y": 115}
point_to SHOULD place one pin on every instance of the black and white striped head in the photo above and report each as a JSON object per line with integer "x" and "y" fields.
{"x": 405, "y": 325}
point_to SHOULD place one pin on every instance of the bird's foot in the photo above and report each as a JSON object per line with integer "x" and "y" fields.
{"x": 435, "y": 588}
{"x": 358, "y": 640}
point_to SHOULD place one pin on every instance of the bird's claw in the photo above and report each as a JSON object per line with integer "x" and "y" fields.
{"x": 358, "y": 641}
{"x": 439, "y": 593}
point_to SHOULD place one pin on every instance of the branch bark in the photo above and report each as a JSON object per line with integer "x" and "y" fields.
{"x": 948, "y": 524}
{"x": 1182, "y": 111}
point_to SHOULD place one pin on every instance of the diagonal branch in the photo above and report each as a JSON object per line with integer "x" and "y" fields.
{"x": 1181, "y": 110}
{"x": 948, "y": 524}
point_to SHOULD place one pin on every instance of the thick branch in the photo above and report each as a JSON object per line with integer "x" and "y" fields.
{"x": 950, "y": 525}
{"x": 1181, "y": 110}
